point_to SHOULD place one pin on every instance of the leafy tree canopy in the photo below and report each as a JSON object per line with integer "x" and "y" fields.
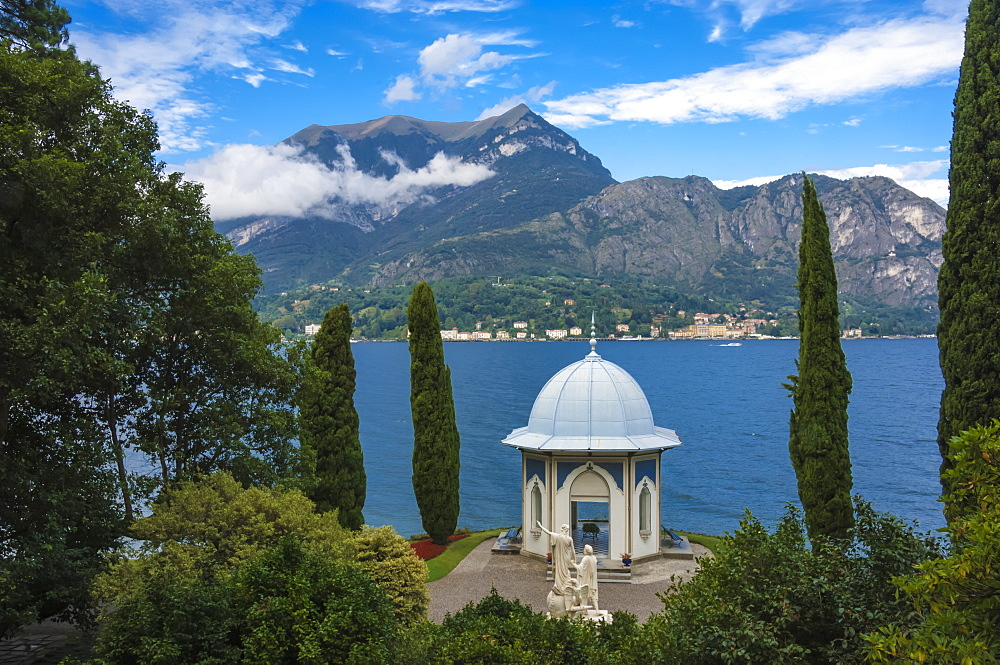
{"x": 957, "y": 598}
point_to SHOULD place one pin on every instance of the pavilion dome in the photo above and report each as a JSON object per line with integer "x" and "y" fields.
{"x": 592, "y": 405}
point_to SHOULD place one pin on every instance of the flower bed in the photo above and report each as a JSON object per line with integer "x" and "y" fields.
{"x": 426, "y": 549}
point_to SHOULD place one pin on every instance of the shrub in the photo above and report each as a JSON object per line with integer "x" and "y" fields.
{"x": 396, "y": 569}
{"x": 298, "y": 606}
{"x": 766, "y": 598}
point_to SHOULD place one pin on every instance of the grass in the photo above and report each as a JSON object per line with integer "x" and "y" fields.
{"x": 711, "y": 542}
{"x": 445, "y": 562}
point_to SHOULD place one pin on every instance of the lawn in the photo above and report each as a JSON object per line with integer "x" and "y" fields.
{"x": 445, "y": 562}
{"x": 711, "y": 542}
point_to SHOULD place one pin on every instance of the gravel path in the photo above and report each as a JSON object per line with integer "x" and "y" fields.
{"x": 524, "y": 578}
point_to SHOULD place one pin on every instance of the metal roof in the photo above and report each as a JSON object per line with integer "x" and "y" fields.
{"x": 592, "y": 405}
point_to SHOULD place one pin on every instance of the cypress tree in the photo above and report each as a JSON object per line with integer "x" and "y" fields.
{"x": 818, "y": 425}
{"x": 329, "y": 422}
{"x": 435, "y": 434}
{"x": 969, "y": 281}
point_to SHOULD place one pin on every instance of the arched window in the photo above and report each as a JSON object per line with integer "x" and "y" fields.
{"x": 536, "y": 506}
{"x": 644, "y": 509}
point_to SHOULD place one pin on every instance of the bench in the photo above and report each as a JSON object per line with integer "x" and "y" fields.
{"x": 512, "y": 537}
{"x": 670, "y": 538}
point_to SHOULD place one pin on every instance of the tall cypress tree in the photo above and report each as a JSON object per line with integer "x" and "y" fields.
{"x": 329, "y": 422}
{"x": 435, "y": 434}
{"x": 969, "y": 281}
{"x": 818, "y": 425}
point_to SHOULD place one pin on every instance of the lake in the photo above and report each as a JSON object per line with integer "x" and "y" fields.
{"x": 726, "y": 403}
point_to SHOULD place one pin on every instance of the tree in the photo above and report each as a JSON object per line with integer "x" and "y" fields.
{"x": 969, "y": 280}
{"x": 435, "y": 433}
{"x": 73, "y": 165}
{"x": 33, "y": 24}
{"x": 818, "y": 425}
{"x": 329, "y": 426}
{"x": 957, "y": 598}
{"x": 126, "y": 321}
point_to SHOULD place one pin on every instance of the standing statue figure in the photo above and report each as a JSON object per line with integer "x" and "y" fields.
{"x": 562, "y": 558}
{"x": 587, "y": 576}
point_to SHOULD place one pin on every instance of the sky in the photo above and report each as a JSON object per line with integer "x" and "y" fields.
{"x": 738, "y": 91}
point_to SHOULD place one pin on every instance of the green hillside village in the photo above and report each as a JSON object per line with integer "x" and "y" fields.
{"x": 559, "y": 307}
{"x": 180, "y": 485}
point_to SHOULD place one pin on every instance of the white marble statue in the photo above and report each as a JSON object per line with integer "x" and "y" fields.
{"x": 586, "y": 576}
{"x": 562, "y": 559}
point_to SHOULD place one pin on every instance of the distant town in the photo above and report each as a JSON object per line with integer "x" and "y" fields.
{"x": 705, "y": 326}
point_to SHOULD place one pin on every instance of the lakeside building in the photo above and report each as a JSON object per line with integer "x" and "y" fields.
{"x": 313, "y": 328}
{"x": 556, "y": 334}
{"x": 590, "y": 448}
{"x": 576, "y": 331}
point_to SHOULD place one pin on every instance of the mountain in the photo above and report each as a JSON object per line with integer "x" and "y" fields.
{"x": 535, "y": 169}
{"x": 546, "y": 204}
{"x": 738, "y": 243}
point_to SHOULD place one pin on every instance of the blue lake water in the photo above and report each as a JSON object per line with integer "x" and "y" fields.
{"x": 726, "y": 403}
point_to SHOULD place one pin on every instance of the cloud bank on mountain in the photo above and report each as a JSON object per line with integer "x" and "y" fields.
{"x": 245, "y": 180}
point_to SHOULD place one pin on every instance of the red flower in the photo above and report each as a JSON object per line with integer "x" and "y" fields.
{"x": 427, "y": 550}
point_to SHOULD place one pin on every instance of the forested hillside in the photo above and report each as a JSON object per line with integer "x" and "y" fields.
{"x": 541, "y": 302}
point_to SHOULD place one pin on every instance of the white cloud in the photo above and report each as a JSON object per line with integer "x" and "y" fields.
{"x": 853, "y": 122}
{"x": 153, "y": 66}
{"x": 297, "y": 46}
{"x": 254, "y": 79}
{"x": 403, "y": 90}
{"x": 432, "y": 7}
{"x": 459, "y": 60}
{"x": 532, "y": 96}
{"x": 619, "y": 22}
{"x": 915, "y": 176}
{"x": 245, "y": 180}
{"x": 456, "y": 57}
{"x": 285, "y": 66}
{"x": 861, "y": 61}
{"x": 335, "y": 53}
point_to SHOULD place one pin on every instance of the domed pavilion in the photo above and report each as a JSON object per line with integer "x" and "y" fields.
{"x": 591, "y": 453}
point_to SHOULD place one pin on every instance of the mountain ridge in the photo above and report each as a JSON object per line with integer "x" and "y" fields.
{"x": 551, "y": 205}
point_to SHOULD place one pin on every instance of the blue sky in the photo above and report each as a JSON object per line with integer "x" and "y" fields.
{"x": 734, "y": 90}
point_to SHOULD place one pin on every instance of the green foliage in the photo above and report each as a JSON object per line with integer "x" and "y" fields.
{"x": 958, "y": 597}
{"x": 497, "y": 630}
{"x": 969, "y": 280}
{"x": 435, "y": 432}
{"x": 33, "y": 24}
{"x": 301, "y": 607}
{"x": 178, "y": 610}
{"x": 222, "y": 570}
{"x": 231, "y": 523}
{"x": 818, "y": 425}
{"x": 72, "y": 164}
{"x": 394, "y": 567}
{"x": 215, "y": 390}
{"x": 126, "y": 323}
{"x": 329, "y": 426}
{"x": 766, "y": 598}
{"x": 287, "y": 604}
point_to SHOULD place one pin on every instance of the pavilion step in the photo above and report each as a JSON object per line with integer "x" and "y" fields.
{"x": 610, "y": 575}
